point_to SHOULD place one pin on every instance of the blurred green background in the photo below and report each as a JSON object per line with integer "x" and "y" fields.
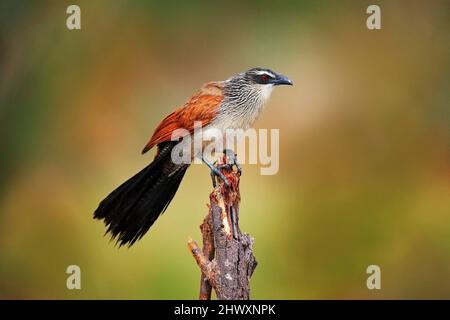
{"x": 364, "y": 159}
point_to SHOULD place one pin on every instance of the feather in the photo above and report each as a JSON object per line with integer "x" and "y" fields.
{"x": 202, "y": 107}
{"x": 131, "y": 209}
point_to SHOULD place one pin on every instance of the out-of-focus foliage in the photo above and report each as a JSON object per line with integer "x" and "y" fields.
{"x": 365, "y": 165}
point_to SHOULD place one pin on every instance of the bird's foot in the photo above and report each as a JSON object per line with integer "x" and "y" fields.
{"x": 232, "y": 161}
{"x": 215, "y": 172}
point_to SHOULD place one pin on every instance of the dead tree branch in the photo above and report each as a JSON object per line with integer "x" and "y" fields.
{"x": 226, "y": 259}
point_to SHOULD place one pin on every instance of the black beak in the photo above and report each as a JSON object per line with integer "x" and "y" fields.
{"x": 282, "y": 80}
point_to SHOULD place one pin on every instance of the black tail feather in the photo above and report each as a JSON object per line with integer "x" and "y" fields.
{"x": 131, "y": 209}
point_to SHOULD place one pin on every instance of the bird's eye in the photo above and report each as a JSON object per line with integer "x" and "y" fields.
{"x": 263, "y": 78}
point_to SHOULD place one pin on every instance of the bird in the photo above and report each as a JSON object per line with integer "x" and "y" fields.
{"x": 131, "y": 209}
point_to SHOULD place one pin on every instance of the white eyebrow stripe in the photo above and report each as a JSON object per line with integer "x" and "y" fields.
{"x": 270, "y": 74}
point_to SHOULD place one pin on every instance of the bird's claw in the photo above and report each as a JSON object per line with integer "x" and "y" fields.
{"x": 215, "y": 172}
{"x": 232, "y": 161}
{"x": 216, "y": 169}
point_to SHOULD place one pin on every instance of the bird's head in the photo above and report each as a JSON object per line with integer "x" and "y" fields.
{"x": 265, "y": 77}
{"x": 245, "y": 95}
{"x": 254, "y": 86}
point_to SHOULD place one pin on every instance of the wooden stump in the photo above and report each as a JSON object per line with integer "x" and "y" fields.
{"x": 226, "y": 259}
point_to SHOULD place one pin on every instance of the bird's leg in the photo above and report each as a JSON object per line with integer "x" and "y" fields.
{"x": 232, "y": 160}
{"x": 215, "y": 172}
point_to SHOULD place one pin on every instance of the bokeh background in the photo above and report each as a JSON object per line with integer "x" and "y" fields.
{"x": 364, "y": 166}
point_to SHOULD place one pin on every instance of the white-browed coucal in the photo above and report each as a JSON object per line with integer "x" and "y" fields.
{"x": 131, "y": 209}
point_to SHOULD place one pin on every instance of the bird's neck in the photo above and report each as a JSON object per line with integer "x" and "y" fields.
{"x": 242, "y": 104}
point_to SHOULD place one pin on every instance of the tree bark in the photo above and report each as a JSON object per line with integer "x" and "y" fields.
{"x": 226, "y": 260}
